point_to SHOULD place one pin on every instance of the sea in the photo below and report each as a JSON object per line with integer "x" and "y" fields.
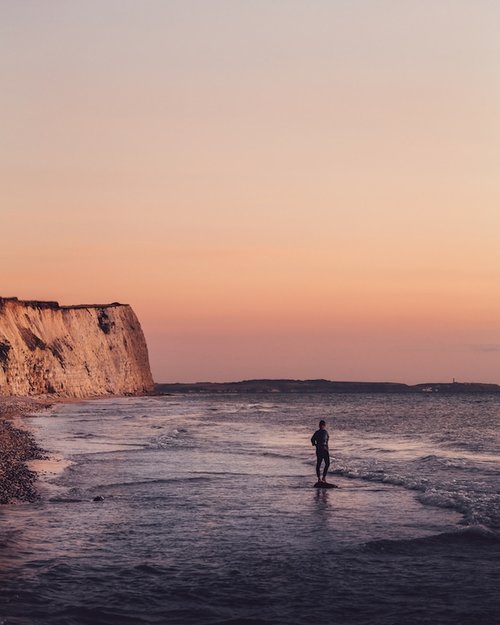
{"x": 200, "y": 509}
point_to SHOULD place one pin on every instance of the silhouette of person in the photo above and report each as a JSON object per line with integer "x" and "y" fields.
{"x": 320, "y": 440}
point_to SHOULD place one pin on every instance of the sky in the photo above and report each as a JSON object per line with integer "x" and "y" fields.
{"x": 280, "y": 189}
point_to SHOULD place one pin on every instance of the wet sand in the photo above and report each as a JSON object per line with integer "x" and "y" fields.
{"x": 17, "y": 448}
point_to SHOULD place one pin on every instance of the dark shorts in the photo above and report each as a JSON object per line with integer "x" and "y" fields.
{"x": 323, "y": 454}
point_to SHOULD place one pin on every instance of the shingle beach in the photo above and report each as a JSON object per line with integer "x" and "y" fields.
{"x": 17, "y": 446}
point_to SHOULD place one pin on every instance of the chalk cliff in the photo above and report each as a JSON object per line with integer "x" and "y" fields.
{"x": 71, "y": 351}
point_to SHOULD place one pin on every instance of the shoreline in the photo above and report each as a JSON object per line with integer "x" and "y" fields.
{"x": 22, "y": 460}
{"x": 18, "y": 447}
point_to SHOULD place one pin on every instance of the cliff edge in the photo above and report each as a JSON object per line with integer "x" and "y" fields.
{"x": 71, "y": 351}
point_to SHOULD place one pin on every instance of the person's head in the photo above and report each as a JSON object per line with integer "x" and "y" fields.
{"x": 322, "y": 425}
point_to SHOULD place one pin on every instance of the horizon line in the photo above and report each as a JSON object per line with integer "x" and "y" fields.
{"x": 298, "y": 380}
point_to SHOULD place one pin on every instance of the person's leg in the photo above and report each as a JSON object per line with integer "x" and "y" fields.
{"x": 318, "y": 465}
{"x": 326, "y": 458}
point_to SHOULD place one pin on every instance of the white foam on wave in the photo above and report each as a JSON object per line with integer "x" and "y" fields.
{"x": 168, "y": 439}
{"x": 483, "y": 509}
{"x": 475, "y": 506}
{"x": 379, "y": 475}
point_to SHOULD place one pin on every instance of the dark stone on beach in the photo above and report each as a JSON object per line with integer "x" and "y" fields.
{"x": 98, "y": 498}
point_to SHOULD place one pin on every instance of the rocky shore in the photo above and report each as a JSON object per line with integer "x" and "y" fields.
{"x": 17, "y": 446}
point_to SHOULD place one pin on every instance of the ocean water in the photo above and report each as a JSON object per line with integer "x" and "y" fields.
{"x": 209, "y": 515}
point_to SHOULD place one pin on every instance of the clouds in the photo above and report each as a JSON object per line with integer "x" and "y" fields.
{"x": 485, "y": 348}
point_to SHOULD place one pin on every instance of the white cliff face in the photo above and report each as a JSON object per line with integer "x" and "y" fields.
{"x": 71, "y": 351}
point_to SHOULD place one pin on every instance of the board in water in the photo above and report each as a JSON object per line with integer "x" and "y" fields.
{"x": 325, "y": 485}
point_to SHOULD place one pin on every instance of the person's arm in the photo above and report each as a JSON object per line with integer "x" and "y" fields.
{"x": 313, "y": 439}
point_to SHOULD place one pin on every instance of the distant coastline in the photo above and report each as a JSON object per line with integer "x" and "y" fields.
{"x": 326, "y": 386}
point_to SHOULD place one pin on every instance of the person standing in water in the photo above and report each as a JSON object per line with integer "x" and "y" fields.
{"x": 320, "y": 440}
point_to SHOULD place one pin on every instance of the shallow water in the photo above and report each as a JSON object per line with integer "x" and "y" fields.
{"x": 209, "y": 515}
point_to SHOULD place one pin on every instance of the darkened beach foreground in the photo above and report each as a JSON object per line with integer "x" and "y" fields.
{"x": 199, "y": 509}
{"x": 17, "y": 446}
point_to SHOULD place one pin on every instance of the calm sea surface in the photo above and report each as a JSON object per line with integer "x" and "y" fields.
{"x": 209, "y": 515}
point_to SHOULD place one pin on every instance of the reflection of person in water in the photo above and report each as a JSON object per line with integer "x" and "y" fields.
{"x": 320, "y": 440}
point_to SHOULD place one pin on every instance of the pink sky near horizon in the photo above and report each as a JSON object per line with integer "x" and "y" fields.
{"x": 279, "y": 189}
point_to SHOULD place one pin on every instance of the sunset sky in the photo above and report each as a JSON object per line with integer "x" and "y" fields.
{"x": 279, "y": 188}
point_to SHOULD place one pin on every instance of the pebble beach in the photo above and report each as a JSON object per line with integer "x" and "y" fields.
{"x": 17, "y": 447}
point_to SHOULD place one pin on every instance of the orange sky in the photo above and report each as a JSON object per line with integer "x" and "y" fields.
{"x": 280, "y": 189}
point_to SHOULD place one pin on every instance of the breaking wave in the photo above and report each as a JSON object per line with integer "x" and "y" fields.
{"x": 476, "y": 507}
